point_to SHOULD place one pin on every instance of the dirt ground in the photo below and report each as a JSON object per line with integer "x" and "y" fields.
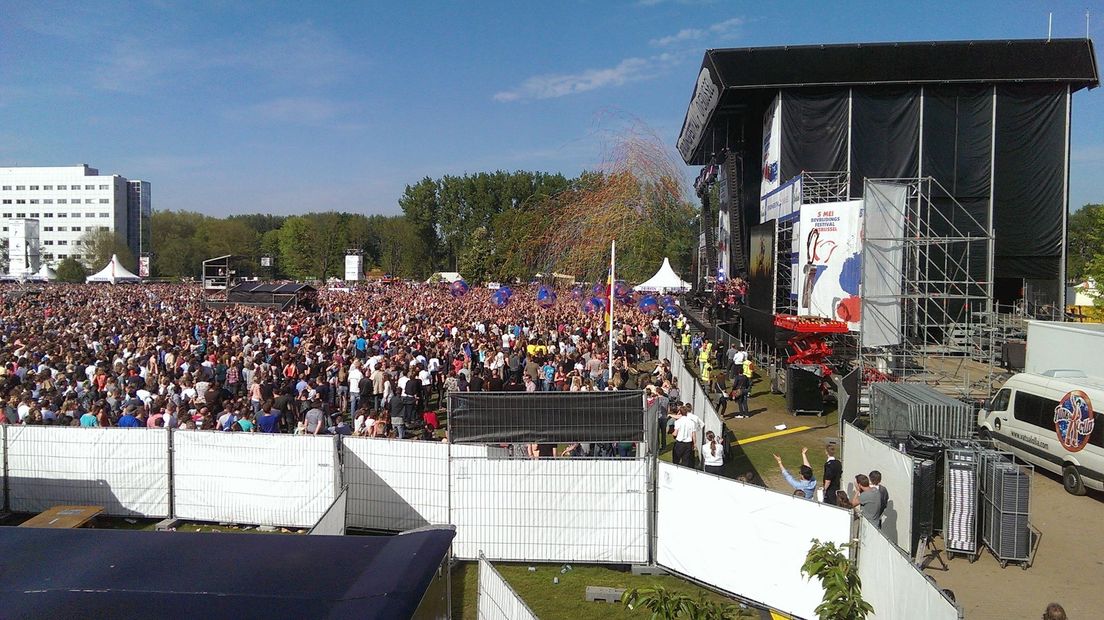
{"x": 1068, "y": 564}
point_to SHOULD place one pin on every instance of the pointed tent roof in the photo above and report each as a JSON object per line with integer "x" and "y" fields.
{"x": 45, "y": 274}
{"x": 664, "y": 280}
{"x": 113, "y": 272}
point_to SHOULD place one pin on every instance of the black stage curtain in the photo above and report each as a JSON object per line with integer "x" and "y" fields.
{"x": 958, "y": 135}
{"x": 1029, "y": 175}
{"x": 814, "y": 131}
{"x": 885, "y": 134}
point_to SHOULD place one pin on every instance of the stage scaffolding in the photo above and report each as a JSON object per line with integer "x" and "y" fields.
{"x": 927, "y": 291}
{"x": 816, "y": 188}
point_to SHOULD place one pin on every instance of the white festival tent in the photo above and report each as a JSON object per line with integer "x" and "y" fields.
{"x": 113, "y": 272}
{"x": 664, "y": 281}
{"x": 45, "y": 274}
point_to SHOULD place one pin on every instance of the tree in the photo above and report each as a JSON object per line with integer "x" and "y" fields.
{"x": 99, "y": 245}
{"x": 1086, "y": 243}
{"x": 839, "y": 577}
{"x": 666, "y": 605}
{"x": 70, "y": 270}
{"x": 402, "y": 249}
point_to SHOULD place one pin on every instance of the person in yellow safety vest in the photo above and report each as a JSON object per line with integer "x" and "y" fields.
{"x": 749, "y": 370}
{"x": 685, "y": 342}
{"x": 707, "y": 373}
{"x": 703, "y": 355}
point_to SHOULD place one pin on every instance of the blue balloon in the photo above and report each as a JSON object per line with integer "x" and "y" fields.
{"x": 505, "y": 290}
{"x": 672, "y": 310}
{"x": 648, "y": 304}
{"x": 577, "y": 293}
{"x": 594, "y": 304}
{"x": 622, "y": 291}
{"x": 600, "y": 289}
{"x": 458, "y": 288}
{"x": 500, "y": 300}
{"x": 546, "y": 297}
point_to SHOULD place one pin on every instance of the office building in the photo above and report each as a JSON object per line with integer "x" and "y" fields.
{"x": 70, "y": 201}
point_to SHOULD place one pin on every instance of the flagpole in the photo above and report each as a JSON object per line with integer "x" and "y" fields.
{"x": 612, "y": 296}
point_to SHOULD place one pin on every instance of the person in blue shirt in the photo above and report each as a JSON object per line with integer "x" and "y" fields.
{"x": 128, "y": 419}
{"x": 806, "y": 484}
{"x": 269, "y": 420}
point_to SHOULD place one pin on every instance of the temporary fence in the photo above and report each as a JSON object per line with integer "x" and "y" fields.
{"x": 395, "y": 485}
{"x": 279, "y": 480}
{"x": 760, "y": 545}
{"x": 495, "y": 599}
{"x": 557, "y": 510}
{"x": 862, "y": 454}
{"x": 893, "y": 585}
{"x": 332, "y": 522}
{"x": 123, "y": 471}
{"x": 690, "y": 389}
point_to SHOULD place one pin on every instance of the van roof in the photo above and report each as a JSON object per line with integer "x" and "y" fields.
{"x": 1060, "y": 383}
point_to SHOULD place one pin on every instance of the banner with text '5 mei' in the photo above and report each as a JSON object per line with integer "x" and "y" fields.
{"x": 830, "y": 261}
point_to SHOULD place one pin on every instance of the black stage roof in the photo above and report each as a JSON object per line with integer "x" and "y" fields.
{"x": 128, "y": 574}
{"x": 744, "y": 76}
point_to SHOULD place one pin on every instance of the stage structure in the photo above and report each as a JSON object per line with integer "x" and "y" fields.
{"x": 987, "y": 121}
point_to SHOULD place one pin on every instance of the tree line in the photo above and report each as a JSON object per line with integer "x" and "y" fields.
{"x": 484, "y": 225}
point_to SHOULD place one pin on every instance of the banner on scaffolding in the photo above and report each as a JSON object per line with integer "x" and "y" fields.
{"x": 830, "y": 261}
{"x": 882, "y": 268}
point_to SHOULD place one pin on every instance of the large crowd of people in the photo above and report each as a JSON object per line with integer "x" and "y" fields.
{"x": 375, "y": 360}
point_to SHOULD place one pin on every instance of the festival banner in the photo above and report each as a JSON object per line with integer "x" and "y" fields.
{"x": 830, "y": 261}
{"x": 772, "y": 147}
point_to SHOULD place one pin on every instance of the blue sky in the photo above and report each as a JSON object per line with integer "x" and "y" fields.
{"x": 229, "y": 107}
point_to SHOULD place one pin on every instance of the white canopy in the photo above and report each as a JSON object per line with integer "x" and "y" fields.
{"x": 1083, "y": 294}
{"x": 664, "y": 281}
{"x": 113, "y": 272}
{"x": 45, "y": 274}
{"x": 444, "y": 276}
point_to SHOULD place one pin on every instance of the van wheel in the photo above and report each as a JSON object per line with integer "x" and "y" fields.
{"x": 984, "y": 434}
{"x": 1071, "y": 479}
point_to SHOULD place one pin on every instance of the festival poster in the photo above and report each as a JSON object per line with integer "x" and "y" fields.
{"x": 761, "y": 267}
{"x": 830, "y": 261}
{"x": 724, "y": 238}
{"x": 772, "y": 147}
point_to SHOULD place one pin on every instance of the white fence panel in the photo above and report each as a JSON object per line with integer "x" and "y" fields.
{"x": 552, "y": 510}
{"x": 496, "y": 600}
{"x": 862, "y": 454}
{"x": 691, "y": 390}
{"x": 3, "y": 463}
{"x": 765, "y": 539}
{"x": 126, "y": 471}
{"x": 893, "y": 586}
{"x": 395, "y": 485}
{"x": 281, "y": 480}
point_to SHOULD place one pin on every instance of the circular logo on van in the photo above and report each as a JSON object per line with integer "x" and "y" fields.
{"x": 1074, "y": 421}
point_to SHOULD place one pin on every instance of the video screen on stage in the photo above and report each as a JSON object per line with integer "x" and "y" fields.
{"x": 761, "y": 287}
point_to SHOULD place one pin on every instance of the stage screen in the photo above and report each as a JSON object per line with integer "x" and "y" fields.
{"x": 761, "y": 268}
{"x": 830, "y": 261}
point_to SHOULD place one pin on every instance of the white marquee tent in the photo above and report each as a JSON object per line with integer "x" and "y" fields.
{"x": 113, "y": 272}
{"x": 664, "y": 281}
{"x": 45, "y": 274}
{"x": 444, "y": 276}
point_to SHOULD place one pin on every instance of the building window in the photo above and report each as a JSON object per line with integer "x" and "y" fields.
{"x": 7, "y": 188}
{"x": 105, "y": 215}
{"x": 89, "y": 187}
{"x": 20, "y": 187}
{"x": 47, "y": 201}
{"x": 104, "y": 201}
{"x": 62, "y": 201}
{"x": 63, "y": 187}
{"x": 62, "y": 214}
{"x": 48, "y": 228}
{"x": 47, "y": 187}
{"x": 63, "y": 256}
{"x": 74, "y": 214}
{"x": 105, "y": 187}
{"x": 87, "y": 201}
{"x": 34, "y": 188}
{"x": 47, "y": 214}
{"x": 20, "y": 215}
{"x": 76, "y": 229}
{"x": 34, "y": 201}
{"x": 20, "y": 201}
{"x": 34, "y": 215}
{"x": 7, "y": 201}
{"x": 47, "y": 242}
{"x": 63, "y": 242}
{"x": 7, "y": 214}
{"x": 63, "y": 229}
{"x": 103, "y": 228}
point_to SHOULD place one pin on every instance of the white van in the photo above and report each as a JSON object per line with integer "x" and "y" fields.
{"x": 1049, "y": 420}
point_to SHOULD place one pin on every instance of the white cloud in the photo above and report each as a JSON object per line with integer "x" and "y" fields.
{"x": 551, "y": 85}
{"x": 720, "y": 30}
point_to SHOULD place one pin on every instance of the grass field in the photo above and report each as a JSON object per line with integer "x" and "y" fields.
{"x": 567, "y": 598}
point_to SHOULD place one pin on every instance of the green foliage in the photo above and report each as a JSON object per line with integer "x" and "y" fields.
{"x": 1086, "y": 245}
{"x": 667, "y": 605}
{"x": 70, "y": 270}
{"x": 839, "y": 577}
{"x": 99, "y": 245}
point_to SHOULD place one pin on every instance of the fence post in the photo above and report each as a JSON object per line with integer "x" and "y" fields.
{"x": 4, "y": 440}
{"x": 171, "y": 447}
